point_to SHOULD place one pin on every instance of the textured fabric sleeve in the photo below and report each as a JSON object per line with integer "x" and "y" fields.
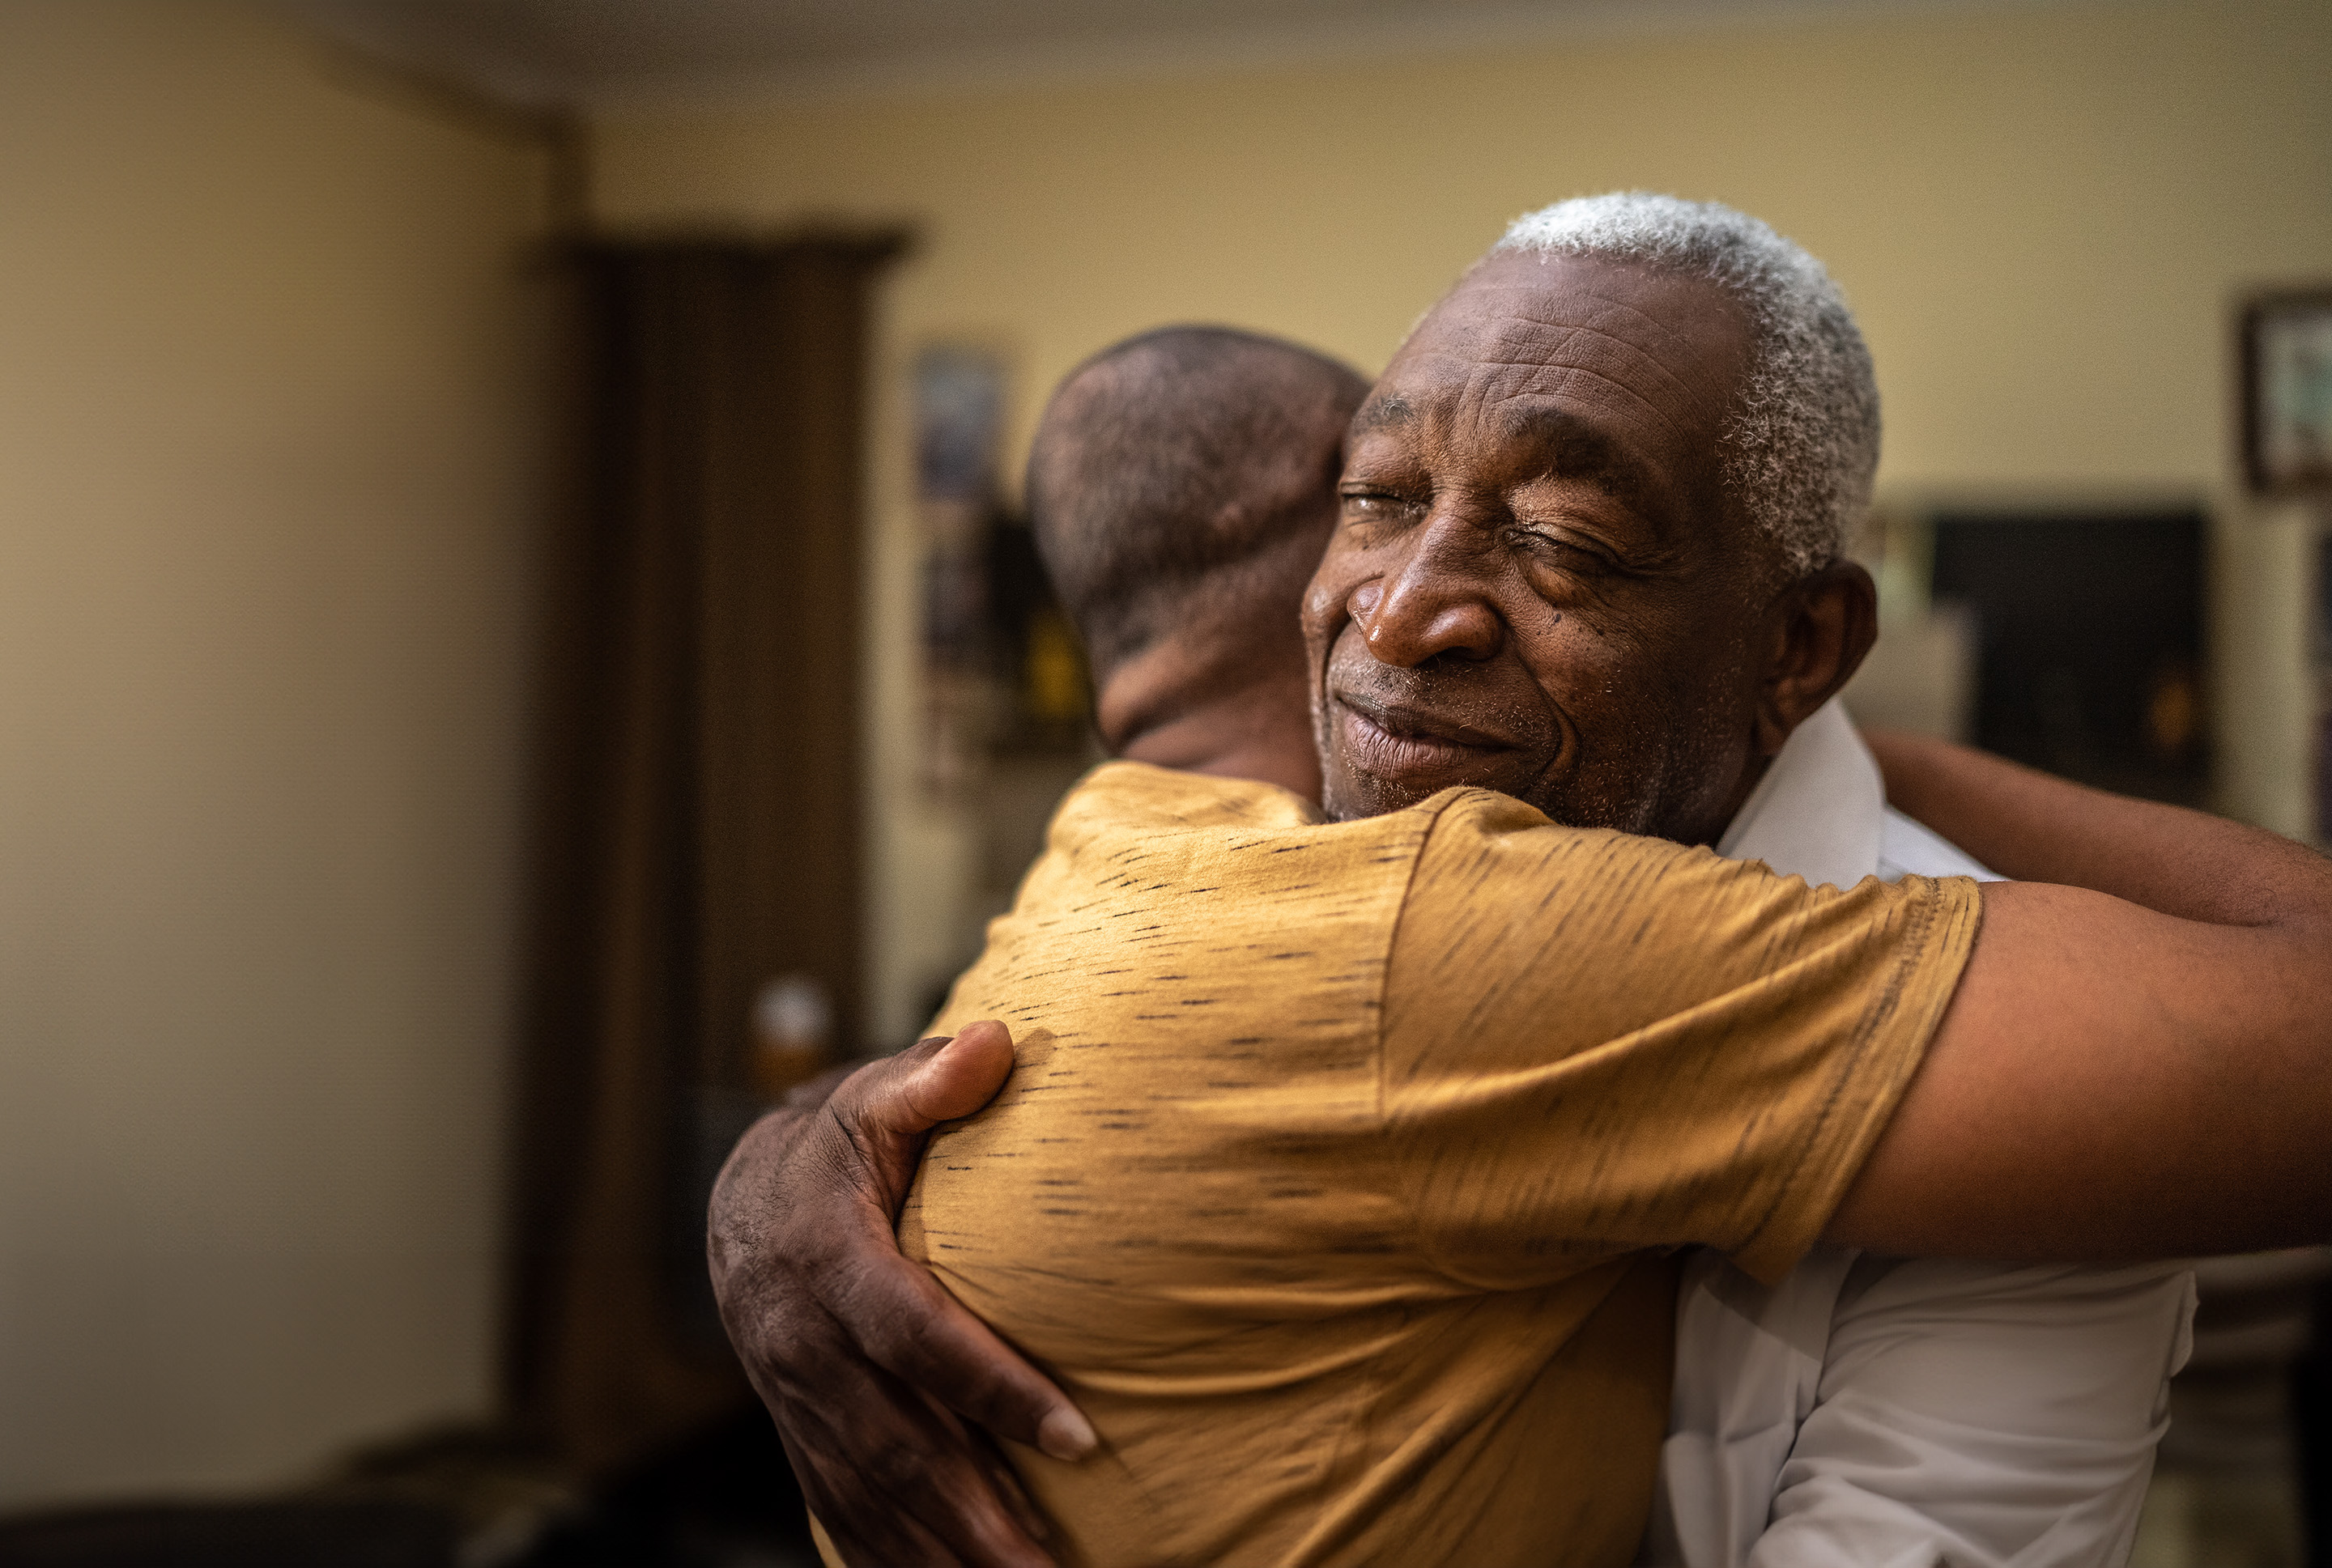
{"x": 1594, "y": 1042}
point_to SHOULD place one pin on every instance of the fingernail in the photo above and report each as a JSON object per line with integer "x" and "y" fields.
{"x": 1067, "y": 1435}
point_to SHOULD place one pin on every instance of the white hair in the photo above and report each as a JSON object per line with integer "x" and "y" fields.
{"x": 1798, "y": 451}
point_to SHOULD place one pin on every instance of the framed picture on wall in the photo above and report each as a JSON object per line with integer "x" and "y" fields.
{"x": 2324, "y": 688}
{"x": 2287, "y": 352}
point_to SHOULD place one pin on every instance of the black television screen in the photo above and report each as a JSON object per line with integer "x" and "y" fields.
{"x": 2090, "y": 657}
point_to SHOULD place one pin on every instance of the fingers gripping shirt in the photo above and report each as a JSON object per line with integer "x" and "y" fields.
{"x": 1330, "y": 1173}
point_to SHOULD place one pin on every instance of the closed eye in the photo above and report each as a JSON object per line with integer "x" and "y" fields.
{"x": 1372, "y": 505}
{"x": 1562, "y": 551}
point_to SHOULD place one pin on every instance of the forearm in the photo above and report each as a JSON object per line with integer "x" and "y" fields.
{"x": 2035, "y": 828}
{"x": 2137, "y": 1059}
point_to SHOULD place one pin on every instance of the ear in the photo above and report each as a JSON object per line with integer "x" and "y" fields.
{"x": 1820, "y": 627}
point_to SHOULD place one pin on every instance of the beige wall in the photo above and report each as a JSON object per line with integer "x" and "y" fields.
{"x": 2041, "y": 213}
{"x": 265, "y": 481}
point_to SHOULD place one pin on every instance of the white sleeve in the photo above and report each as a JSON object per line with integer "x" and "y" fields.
{"x": 1982, "y": 1415}
{"x": 1906, "y": 844}
{"x": 1748, "y": 1370}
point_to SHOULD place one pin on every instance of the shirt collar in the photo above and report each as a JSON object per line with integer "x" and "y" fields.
{"x": 1820, "y": 810}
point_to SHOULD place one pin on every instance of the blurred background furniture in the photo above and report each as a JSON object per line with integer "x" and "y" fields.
{"x": 2232, "y": 1479}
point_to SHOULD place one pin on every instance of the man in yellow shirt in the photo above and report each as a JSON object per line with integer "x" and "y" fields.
{"x": 1711, "y": 1051}
{"x": 1332, "y": 1190}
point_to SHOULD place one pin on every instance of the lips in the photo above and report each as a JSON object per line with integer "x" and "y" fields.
{"x": 1396, "y": 740}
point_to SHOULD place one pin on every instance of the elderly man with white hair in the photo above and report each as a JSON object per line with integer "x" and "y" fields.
{"x": 1590, "y": 555}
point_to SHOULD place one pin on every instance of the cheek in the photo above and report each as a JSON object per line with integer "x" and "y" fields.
{"x": 1656, "y": 703}
{"x": 1639, "y": 707}
{"x": 1327, "y": 606}
{"x": 1581, "y": 666}
{"x": 1349, "y": 578}
{"x": 1328, "y": 609}
{"x": 1705, "y": 699}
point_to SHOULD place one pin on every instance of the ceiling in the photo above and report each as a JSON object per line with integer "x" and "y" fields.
{"x": 610, "y": 54}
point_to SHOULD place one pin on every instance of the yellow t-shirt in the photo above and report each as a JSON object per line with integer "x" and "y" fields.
{"x": 1335, "y": 1175}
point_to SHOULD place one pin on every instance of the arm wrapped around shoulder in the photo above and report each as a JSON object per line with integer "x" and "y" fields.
{"x": 1596, "y": 1042}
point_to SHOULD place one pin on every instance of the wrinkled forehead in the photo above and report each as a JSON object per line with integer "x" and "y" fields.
{"x": 1661, "y": 353}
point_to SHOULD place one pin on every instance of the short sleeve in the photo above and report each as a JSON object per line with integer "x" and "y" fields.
{"x": 1594, "y": 1042}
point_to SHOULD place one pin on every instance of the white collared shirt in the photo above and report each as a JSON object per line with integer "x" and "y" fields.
{"x": 1880, "y": 1413}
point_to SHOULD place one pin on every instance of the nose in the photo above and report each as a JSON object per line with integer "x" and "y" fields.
{"x": 1433, "y": 603}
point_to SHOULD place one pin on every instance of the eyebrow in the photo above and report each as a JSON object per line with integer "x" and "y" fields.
{"x": 1579, "y": 450}
{"x": 1380, "y": 411}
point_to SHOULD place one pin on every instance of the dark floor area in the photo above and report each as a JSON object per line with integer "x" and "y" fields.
{"x": 725, "y": 1499}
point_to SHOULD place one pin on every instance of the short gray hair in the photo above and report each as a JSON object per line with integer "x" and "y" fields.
{"x": 1801, "y": 446}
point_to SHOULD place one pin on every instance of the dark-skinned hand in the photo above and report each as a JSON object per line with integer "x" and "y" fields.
{"x": 883, "y": 1388}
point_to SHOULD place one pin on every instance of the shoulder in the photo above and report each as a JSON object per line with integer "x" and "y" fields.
{"x": 1140, "y": 794}
{"x": 1479, "y": 838}
{"x": 1181, "y": 847}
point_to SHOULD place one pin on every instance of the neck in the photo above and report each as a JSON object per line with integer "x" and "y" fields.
{"x": 1242, "y": 718}
{"x": 1234, "y": 739}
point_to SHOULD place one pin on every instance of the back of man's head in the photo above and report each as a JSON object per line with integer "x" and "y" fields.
{"x": 1184, "y": 481}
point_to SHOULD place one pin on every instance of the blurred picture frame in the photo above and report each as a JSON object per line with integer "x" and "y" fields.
{"x": 2323, "y": 662}
{"x": 2287, "y": 366}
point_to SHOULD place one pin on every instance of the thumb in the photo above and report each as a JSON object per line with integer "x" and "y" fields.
{"x": 932, "y": 1081}
{"x": 960, "y": 1076}
{"x": 882, "y": 1111}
